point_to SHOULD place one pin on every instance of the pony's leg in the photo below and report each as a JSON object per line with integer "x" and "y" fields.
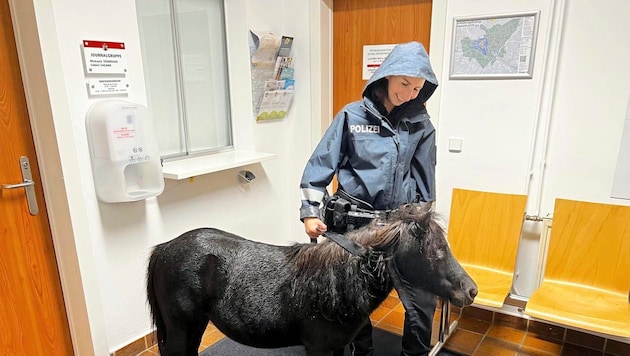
{"x": 197, "y": 328}
{"x": 175, "y": 344}
{"x": 184, "y": 337}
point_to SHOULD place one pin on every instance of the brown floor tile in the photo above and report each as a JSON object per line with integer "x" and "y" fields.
{"x": 150, "y": 340}
{"x": 379, "y": 314}
{"x": 456, "y": 310}
{"x": 436, "y": 326}
{"x": 583, "y": 339}
{"x": 510, "y": 321}
{"x": 495, "y": 347}
{"x": 546, "y": 330}
{"x": 399, "y": 308}
{"x": 502, "y": 332}
{"x": 437, "y": 320}
{"x": 210, "y": 328}
{"x": 475, "y": 325}
{"x": 617, "y": 348}
{"x": 463, "y": 341}
{"x": 210, "y": 338}
{"x": 543, "y": 343}
{"x": 477, "y": 313}
{"x": 575, "y": 350}
{"x": 148, "y": 353}
{"x": 394, "y": 318}
{"x": 528, "y": 351}
{"x": 437, "y": 316}
{"x": 390, "y": 302}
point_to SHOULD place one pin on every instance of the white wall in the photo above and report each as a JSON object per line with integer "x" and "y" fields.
{"x": 589, "y": 103}
{"x": 102, "y": 248}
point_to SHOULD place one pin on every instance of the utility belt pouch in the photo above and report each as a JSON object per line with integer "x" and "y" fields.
{"x": 342, "y": 214}
{"x": 336, "y": 213}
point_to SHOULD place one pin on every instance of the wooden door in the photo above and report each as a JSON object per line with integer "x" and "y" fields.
{"x": 371, "y": 22}
{"x": 33, "y": 318}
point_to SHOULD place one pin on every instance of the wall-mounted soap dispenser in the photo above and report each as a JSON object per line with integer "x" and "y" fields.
{"x": 125, "y": 158}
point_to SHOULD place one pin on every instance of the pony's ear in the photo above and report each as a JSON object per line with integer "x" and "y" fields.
{"x": 424, "y": 207}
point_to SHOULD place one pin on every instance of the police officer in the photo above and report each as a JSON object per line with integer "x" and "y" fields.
{"x": 382, "y": 149}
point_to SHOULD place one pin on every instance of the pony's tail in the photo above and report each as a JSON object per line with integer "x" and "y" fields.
{"x": 156, "y": 314}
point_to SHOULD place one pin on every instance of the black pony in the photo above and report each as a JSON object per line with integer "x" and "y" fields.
{"x": 316, "y": 295}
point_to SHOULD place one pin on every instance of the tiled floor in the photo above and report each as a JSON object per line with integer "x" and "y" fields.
{"x": 479, "y": 333}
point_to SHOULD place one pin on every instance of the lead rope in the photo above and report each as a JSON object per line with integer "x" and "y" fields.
{"x": 347, "y": 244}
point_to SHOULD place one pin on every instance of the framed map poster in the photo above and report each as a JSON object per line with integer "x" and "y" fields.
{"x": 494, "y": 46}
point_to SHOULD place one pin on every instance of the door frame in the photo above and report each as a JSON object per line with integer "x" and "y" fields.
{"x": 34, "y": 21}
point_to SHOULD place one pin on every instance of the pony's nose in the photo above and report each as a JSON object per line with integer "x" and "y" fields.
{"x": 472, "y": 292}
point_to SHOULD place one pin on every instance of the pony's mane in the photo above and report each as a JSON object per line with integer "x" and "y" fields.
{"x": 329, "y": 262}
{"x": 380, "y": 235}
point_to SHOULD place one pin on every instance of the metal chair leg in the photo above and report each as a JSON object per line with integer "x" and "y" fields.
{"x": 445, "y": 329}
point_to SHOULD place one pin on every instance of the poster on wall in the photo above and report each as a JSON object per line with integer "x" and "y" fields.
{"x": 621, "y": 183}
{"x": 373, "y": 56}
{"x": 494, "y": 46}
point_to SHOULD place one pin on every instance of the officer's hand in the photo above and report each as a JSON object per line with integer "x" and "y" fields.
{"x": 314, "y": 227}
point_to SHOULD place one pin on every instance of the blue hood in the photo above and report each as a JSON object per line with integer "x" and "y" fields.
{"x": 398, "y": 63}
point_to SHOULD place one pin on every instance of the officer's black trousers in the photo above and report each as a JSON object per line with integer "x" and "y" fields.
{"x": 418, "y": 324}
{"x": 416, "y": 340}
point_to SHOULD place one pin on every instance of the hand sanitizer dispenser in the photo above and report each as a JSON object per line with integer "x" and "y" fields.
{"x": 125, "y": 158}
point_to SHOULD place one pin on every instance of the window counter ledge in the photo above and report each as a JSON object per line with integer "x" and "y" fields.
{"x": 199, "y": 165}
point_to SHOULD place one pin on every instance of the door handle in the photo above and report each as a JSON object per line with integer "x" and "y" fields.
{"x": 19, "y": 185}
{"x": 28, "y": 184}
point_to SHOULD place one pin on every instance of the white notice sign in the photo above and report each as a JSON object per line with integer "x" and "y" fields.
{"x": 373, "y": 56}
{"x": 108, "y": 86}
{"x": 104, "y": 57}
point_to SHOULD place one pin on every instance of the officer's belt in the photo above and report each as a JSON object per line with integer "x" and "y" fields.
{"x": 362, "y": 209}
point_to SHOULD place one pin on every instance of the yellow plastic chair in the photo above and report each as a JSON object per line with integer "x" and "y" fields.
{"x": 587, "y": 276}
{"x": 484, "y": 231}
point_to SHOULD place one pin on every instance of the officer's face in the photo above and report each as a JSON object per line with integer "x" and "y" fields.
{"x": 402, "y": 89}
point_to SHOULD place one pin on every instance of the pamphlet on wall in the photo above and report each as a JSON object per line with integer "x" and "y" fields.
{"x": 264, "y": 47}
{"x": 275, "y": 105}
{"x": 263, "y": 50}
{"x": 273, "y": 80}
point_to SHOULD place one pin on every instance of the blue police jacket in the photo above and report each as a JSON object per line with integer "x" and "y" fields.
{"x": 383, "y": 159}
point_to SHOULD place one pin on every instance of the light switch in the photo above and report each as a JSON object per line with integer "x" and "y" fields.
{"x": 455, "y": 144}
